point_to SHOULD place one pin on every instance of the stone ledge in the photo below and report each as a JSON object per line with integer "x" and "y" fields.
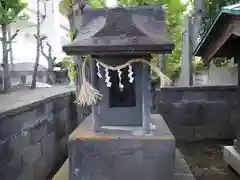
{"x": 26, "y": 99}
{"x": 198, "y": 88}
{"x": 85, "y": 131}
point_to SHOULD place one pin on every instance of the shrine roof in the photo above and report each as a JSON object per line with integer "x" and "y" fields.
{"x": 222, "y": 38}
{"x": 132, "y": 30}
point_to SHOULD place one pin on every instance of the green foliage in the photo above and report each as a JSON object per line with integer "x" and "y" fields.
{"x": 173, "y": 70}
{"x": 66, "y": 5}
{"x": 10, "y": 9}
{"x": 223, "y": 62}
{"x": 69, "y": 64}
{"x": 68, "y": 61}
{"x": 96, "y": 3}
{"x": 174, "y": 10}
{"x": 198, "y": 65}
{"x": 72, "y": 34}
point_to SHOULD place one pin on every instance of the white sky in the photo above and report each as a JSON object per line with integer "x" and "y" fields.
{"x": 113, "y": 3}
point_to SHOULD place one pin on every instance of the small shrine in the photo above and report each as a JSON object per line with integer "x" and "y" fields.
{"x": 121, "y": 140}
{"x": 222, "y": 40}
{"x": 119, "y": 42}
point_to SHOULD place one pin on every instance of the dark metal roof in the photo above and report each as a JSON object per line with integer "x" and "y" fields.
{"x": 134, "y": 30}
{"x": 222, "y": 36}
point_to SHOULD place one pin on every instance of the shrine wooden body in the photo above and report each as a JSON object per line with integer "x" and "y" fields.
{"x": 129, "y": 107}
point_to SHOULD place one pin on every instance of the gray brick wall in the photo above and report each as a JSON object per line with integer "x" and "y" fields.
{"x": 32, "y": 139}
{"x": 198, "y": 113}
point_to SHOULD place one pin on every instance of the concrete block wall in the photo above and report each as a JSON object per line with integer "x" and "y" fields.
{"x": 33, "y": 137}
{"x": 198, "y": 113}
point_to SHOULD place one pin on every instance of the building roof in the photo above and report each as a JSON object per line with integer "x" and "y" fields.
{"x": 218, "y": 40}
{"x": 132, "y": 30}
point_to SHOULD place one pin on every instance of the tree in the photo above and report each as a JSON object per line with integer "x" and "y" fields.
{"x": 39, "y": 39}
{"x": 50, "y": 59}
{"x": 174, "y": 10}
{"x": 9, "y": 11}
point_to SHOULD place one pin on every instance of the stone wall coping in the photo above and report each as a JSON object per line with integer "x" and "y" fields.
{"x": 197, "y": 88}
{"x": 20, "y": 101}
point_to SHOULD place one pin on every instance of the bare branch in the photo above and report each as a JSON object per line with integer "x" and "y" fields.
{"x": 35, "y": 36}
{"x": 54, "y": 59}
{"x": 42, "y": 51}
{"x": 49, "y": 46}
{"x": 14, "y": 36}
{"x": 43, "y": 38}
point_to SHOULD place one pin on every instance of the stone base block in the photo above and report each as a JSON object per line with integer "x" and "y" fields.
{"x": 236, "y": 145}
{"x": 121, "y": 155}
{"x": 232, "y": 157}
{"x": 182, "y": 171}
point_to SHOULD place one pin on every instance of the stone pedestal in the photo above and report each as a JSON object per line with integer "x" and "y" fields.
{"x": 231, "y": 155}
{"x": 182, "y": 171}
{"x": 236, "y": 145}
{"x": 121, "y": 155}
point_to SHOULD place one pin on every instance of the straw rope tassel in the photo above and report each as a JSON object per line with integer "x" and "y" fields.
{"x": 87, "y": 94}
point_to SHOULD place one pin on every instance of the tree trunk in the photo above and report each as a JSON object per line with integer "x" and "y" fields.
{"x": 6, "y": 74}
{"x": 10, "y": 45}
{"x": 35, "y": 70}
{"x": 51, "y": 77}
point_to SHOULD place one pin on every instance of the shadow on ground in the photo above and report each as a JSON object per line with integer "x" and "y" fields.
{"x": 205, "y": 160}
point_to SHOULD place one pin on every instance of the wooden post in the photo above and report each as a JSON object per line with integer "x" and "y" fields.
{"x": 94, "y": 82}
{"x": 146, "y": 98}
{"x": 78, "y": 61}
{"x": 162, "y": 62}
{"x": 237, "y": 59}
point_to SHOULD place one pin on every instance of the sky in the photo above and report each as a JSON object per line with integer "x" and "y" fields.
{"x": 113, "y": 3}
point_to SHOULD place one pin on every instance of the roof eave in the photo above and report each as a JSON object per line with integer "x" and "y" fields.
{"x": 200, "y": 44}
{"x": 206, "y": 35}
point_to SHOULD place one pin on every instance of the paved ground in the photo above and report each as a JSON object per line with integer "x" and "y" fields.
{"x": 206, "y": 161}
